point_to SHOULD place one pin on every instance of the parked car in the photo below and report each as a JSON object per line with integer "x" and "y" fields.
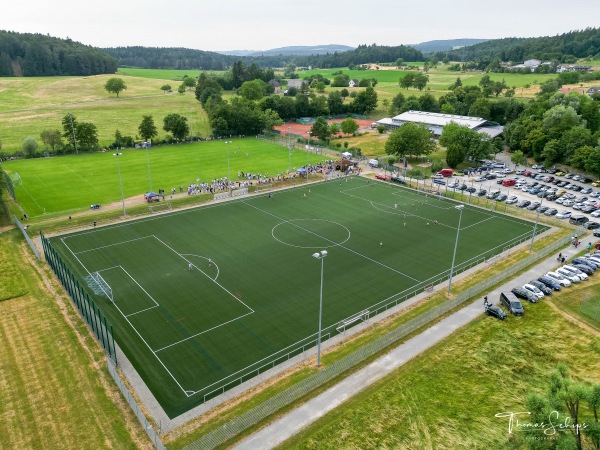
{"x": 563, "y": 215}
{"x": 534, "y": 290}
{"x": 481, "y": 178}
{"x": 585, "y": 262}
{"x": 575, "y": 271}
{"x": 588, "y": 270}
{"x": 512, "y": 199}
{"x": 541, "y": 286}
{"x": 495, "y": 311}
{"x": 591, "y": 225}
{"x": 534, "y": 206}
{"x": 559, "y": 279}
{"x": 550, "y": 282}
{"x": 551, "y": 212}
{"x": 512, "y": 303}
{"x": 543, "y": 209}
{"x": 573, "y": 278}
{"x": 381, "y": 176}
{"x": 481, "y": 192}
{"x": 524, "y": 294}
{"x": 501, "y": 198}
{"x": 470, "y": 189}
{"x": 523, "y": 203}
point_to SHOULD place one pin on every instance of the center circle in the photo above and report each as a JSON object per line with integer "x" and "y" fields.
{"x": 311, "y": 233}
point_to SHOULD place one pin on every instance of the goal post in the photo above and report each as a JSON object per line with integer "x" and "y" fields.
{"x": 164, "y": 206}
{"x": 103, "y": 285}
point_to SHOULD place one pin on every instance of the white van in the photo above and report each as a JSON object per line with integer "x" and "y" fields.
{"x": 373, "y": 163}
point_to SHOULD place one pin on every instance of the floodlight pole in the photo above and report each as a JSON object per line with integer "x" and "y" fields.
{"x": 460, "y": 208}
{"x": 228, "y": 169}
{"x": 320, "y": 255}
{"x": 289, "y": 150}
{"x": 307, "y": 148}
{"x": 117, "y": 155}
{"x": 148, "y": 163}
{"x": 537, "y": 217}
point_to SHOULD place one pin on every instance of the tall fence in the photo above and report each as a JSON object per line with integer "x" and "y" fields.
{"x": 250, "y": 418}
{"x": 10, "y": 186}
{"x": 97, "y": 322}
{"x": 112, "y": 369}
{"x": 27, "y": 238}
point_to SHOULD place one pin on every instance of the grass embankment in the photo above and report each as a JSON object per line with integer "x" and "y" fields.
{"x": 226, "y": 412}
{"x": 447, "y": 397}
{"x": 56, "y": 392}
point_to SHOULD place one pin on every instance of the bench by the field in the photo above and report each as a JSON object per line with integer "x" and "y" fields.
{"x": 363, "y": 315}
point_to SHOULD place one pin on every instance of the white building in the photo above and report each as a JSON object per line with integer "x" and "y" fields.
{"x": 436, "y": 122}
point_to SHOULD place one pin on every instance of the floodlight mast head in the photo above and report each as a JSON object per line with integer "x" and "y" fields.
{"x": 320, "y": 255}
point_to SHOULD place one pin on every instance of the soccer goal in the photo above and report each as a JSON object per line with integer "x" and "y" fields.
{"x": 158, "y": 207}
{"x": 100, "y": 286}
{"x": 16, "y": 179}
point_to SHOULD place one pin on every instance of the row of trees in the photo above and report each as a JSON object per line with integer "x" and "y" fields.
{"x": 251, "y": 112}
{"x": 559, "y": 128}
{"x": 79, "y": 136}
{"x": 417, "y": 80}
{"x": 36, "y": 55}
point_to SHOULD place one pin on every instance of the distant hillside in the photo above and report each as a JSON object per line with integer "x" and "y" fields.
{"x": 38, "y": 55}
{"x": 445, "y": 45}
{"x": 299, "y": 50}
{"x": 304, "y": 50}
{"x": 170, "y": 58}
{"x": 563, "y": 47}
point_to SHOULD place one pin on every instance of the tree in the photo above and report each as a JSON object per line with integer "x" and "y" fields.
{"x": 320, "y": 129}
{"x": 593, "y": 161}
{"x": 365, "y": 101}
{"x": 51, "y": 138}
{"x": 340, "y": 80}
{"x": 344, "y": 93}
{"x": 399, "y": 62}
{"x": 410, "y": 139}
{"x": 69, "y": 123}
{"x": 181, "y": 89}
{"x": 463, "y": 143}
{"x": 115, "y": 86}
{"x": 87, "y": 136}
{"x": 176, "y": 124}
{"x": 334, "y": 128}
{"x": 335, "y": 102}
{"x": 165, "y": 87}
{"x": 189, "y": 82}
{"x": 436, "y": 165}
{"x": 420, "y": 81}
{"x": 349, "y": 126}
{"x": 253, "y": 90}
{"x": 29, "y": 146}
{"x": 147, "y": 129}
{"x": 517, "y": 158}
{"x": 407, "y": 80}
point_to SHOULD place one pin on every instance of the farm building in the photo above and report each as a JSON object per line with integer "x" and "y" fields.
{"x": 436, "y": 122}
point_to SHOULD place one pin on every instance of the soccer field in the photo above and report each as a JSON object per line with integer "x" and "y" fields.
{"x": 208, "y": 296}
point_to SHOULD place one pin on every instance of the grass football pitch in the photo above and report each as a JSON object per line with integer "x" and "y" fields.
{"x": 211, "y": 295}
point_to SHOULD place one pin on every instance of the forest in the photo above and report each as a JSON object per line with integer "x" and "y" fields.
{"x": 37, "y": 55}
{"x": 563, "y": 48}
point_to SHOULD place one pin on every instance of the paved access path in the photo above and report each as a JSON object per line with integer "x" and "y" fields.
{"x": 301, "y": 417}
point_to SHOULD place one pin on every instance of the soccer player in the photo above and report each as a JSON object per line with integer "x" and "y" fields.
{"x": 190, "y": 266}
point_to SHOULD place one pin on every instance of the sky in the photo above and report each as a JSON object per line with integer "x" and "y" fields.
{"x": 261, "y": 25}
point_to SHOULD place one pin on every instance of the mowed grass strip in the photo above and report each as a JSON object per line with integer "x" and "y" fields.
{"x": 54, "y": 387}
{"x": 447, "y": 397}
{"x": 382, "y": 241}
{"x": 72, "y": 183}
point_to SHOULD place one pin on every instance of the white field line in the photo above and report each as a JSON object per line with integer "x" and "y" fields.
{"x": 111, "y": 245}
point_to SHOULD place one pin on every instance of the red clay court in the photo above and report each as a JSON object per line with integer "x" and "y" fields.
{"x": 302, "y": 129}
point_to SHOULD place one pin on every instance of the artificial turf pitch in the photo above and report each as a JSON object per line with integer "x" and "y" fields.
{"x": 251, "y": 295}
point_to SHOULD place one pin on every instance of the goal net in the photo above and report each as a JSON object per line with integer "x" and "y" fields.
{"x": 16, "y": 179}
{"x": 100, "y": 286}
{"x": 164, "y": 206}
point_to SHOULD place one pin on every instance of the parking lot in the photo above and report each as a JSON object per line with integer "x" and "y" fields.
{"x": 550, "y": 192}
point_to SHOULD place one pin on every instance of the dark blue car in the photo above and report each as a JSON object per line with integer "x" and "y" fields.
{"x": 550, "y": 283}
